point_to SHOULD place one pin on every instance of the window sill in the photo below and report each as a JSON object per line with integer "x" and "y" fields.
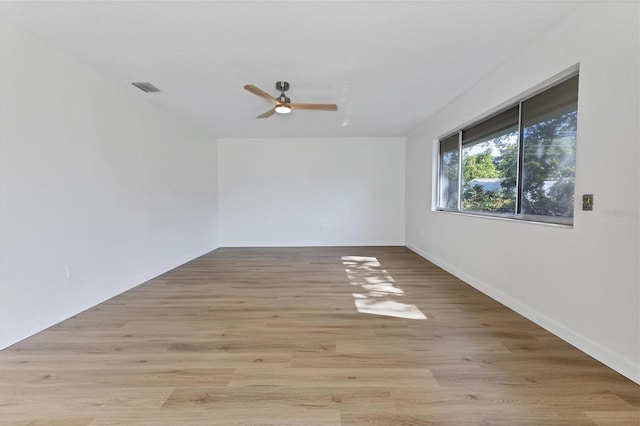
{"x": 530, "y": 219}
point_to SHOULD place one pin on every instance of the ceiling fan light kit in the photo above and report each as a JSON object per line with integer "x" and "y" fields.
{"x": 282, "y": 104}
{"x": 283, "y": 109}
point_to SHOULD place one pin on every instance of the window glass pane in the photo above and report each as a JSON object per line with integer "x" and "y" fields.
{"x": 490, "y": 164}
{"x": 449, "y": 164}
{"x": 549, "y": 122}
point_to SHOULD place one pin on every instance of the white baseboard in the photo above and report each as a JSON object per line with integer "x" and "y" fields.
{"x": 285, "y": 244}
{"x": 37, "y": 325}
{"x": 586, "y": 345}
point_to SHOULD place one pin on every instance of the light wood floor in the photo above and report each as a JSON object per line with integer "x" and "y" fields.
{"x": 273, "y": 337}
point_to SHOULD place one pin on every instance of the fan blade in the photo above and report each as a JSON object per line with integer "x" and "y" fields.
{"x": 315, "y": 107}
{"x": 267, "y": 114}
{"x": 253, "y": 89}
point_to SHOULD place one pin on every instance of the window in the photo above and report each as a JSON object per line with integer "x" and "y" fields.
{"x": 518, "y": 163}
{"x": 489, "y": 164}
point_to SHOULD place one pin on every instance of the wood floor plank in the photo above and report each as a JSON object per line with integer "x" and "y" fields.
{"x": 68, "y": 421}
{"x": 277, "y": 415}
{"x": 323, "y": 377}
{"x": 365, "y": 400}
{"x": 615, "y": 418}
{"x": 307, "y": 336}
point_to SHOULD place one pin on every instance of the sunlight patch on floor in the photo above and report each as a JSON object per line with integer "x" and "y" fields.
{"x": 378, "y": 294}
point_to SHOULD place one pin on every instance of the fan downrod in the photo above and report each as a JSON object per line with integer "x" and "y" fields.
{"x": 283, "y": 86}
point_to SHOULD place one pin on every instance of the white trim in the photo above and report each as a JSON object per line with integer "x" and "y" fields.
{"x": 435, "y": 174}
{"x": 78, "y": 306}
{"x": 623, "y": 366}
{"x": 509, "y": 217}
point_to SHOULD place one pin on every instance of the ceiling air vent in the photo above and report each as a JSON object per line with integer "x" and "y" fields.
{"x": 145, "y": 87}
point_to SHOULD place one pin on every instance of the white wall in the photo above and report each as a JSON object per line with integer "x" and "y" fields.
{"x": 318, "y": 192}
{"x": 93, "y": 177}
{"x": 580, "y": 283}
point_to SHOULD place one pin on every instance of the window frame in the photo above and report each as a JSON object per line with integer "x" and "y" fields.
{"x": 440, "y": 171}
{"x": 517, "y": 101}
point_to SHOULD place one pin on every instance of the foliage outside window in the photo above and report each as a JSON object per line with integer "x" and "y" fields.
{"x": 517, "y": 163}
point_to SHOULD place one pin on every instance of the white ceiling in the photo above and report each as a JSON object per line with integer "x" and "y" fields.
{"x": 387, "y": 64}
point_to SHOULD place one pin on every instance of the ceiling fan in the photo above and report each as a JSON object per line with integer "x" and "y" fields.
{"x": 282, "y": 104}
